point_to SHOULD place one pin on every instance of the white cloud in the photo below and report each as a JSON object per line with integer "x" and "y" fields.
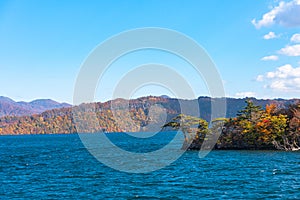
{"x": 295, "y": 38}
{"x": 260, "y": 78}
{"x": 270, "y": 35}
{"x": 245, "y": 94}
{"x": 272, "y": 57}
{"x": 290, "y": 50}
{"x": 285, "y": 78}
{"x": 285, "y": 14}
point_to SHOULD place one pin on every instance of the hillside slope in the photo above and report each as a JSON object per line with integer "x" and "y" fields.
{"x": 145, "y": 114}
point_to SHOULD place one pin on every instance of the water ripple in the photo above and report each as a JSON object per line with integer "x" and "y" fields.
{"x": 58, "y": 166}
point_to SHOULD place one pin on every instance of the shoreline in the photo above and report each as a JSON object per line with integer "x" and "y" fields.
{"x": 190, "y": 150}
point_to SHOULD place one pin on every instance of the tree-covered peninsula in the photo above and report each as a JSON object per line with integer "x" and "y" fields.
{"x": 253, "y": 128}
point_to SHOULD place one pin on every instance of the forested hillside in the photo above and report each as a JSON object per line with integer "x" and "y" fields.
{"x": 61, "y": 120}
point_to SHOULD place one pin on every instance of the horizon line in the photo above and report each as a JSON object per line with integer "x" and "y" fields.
{"x": 159, "y": 96}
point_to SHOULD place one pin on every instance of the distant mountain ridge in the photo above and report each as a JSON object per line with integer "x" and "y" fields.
{"x": 9, "y": 107}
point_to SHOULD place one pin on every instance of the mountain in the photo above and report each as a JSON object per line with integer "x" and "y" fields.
{"x": 119, "y": 115}
{"x": 165, "y": 96}
{"x": 9, "y": 107}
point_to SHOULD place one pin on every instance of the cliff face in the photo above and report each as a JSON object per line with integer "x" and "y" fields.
{"x": 142, "y": 114}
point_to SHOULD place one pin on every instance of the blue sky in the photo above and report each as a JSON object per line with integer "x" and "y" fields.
{"x": 254, "y": 44}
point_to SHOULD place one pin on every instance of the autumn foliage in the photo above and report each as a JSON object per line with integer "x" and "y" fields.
{"x": 252, "y": 129}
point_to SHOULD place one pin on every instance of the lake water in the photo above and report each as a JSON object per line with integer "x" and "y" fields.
{"x": 58, "y": 166}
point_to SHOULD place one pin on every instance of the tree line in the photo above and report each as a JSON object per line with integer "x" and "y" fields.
{"x": 253, "y": 128}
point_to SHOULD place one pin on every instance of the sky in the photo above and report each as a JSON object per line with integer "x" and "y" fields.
{"x": 255, "y": 45}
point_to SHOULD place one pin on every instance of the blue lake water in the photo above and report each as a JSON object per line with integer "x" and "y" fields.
{"x": 59, "y": 166}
